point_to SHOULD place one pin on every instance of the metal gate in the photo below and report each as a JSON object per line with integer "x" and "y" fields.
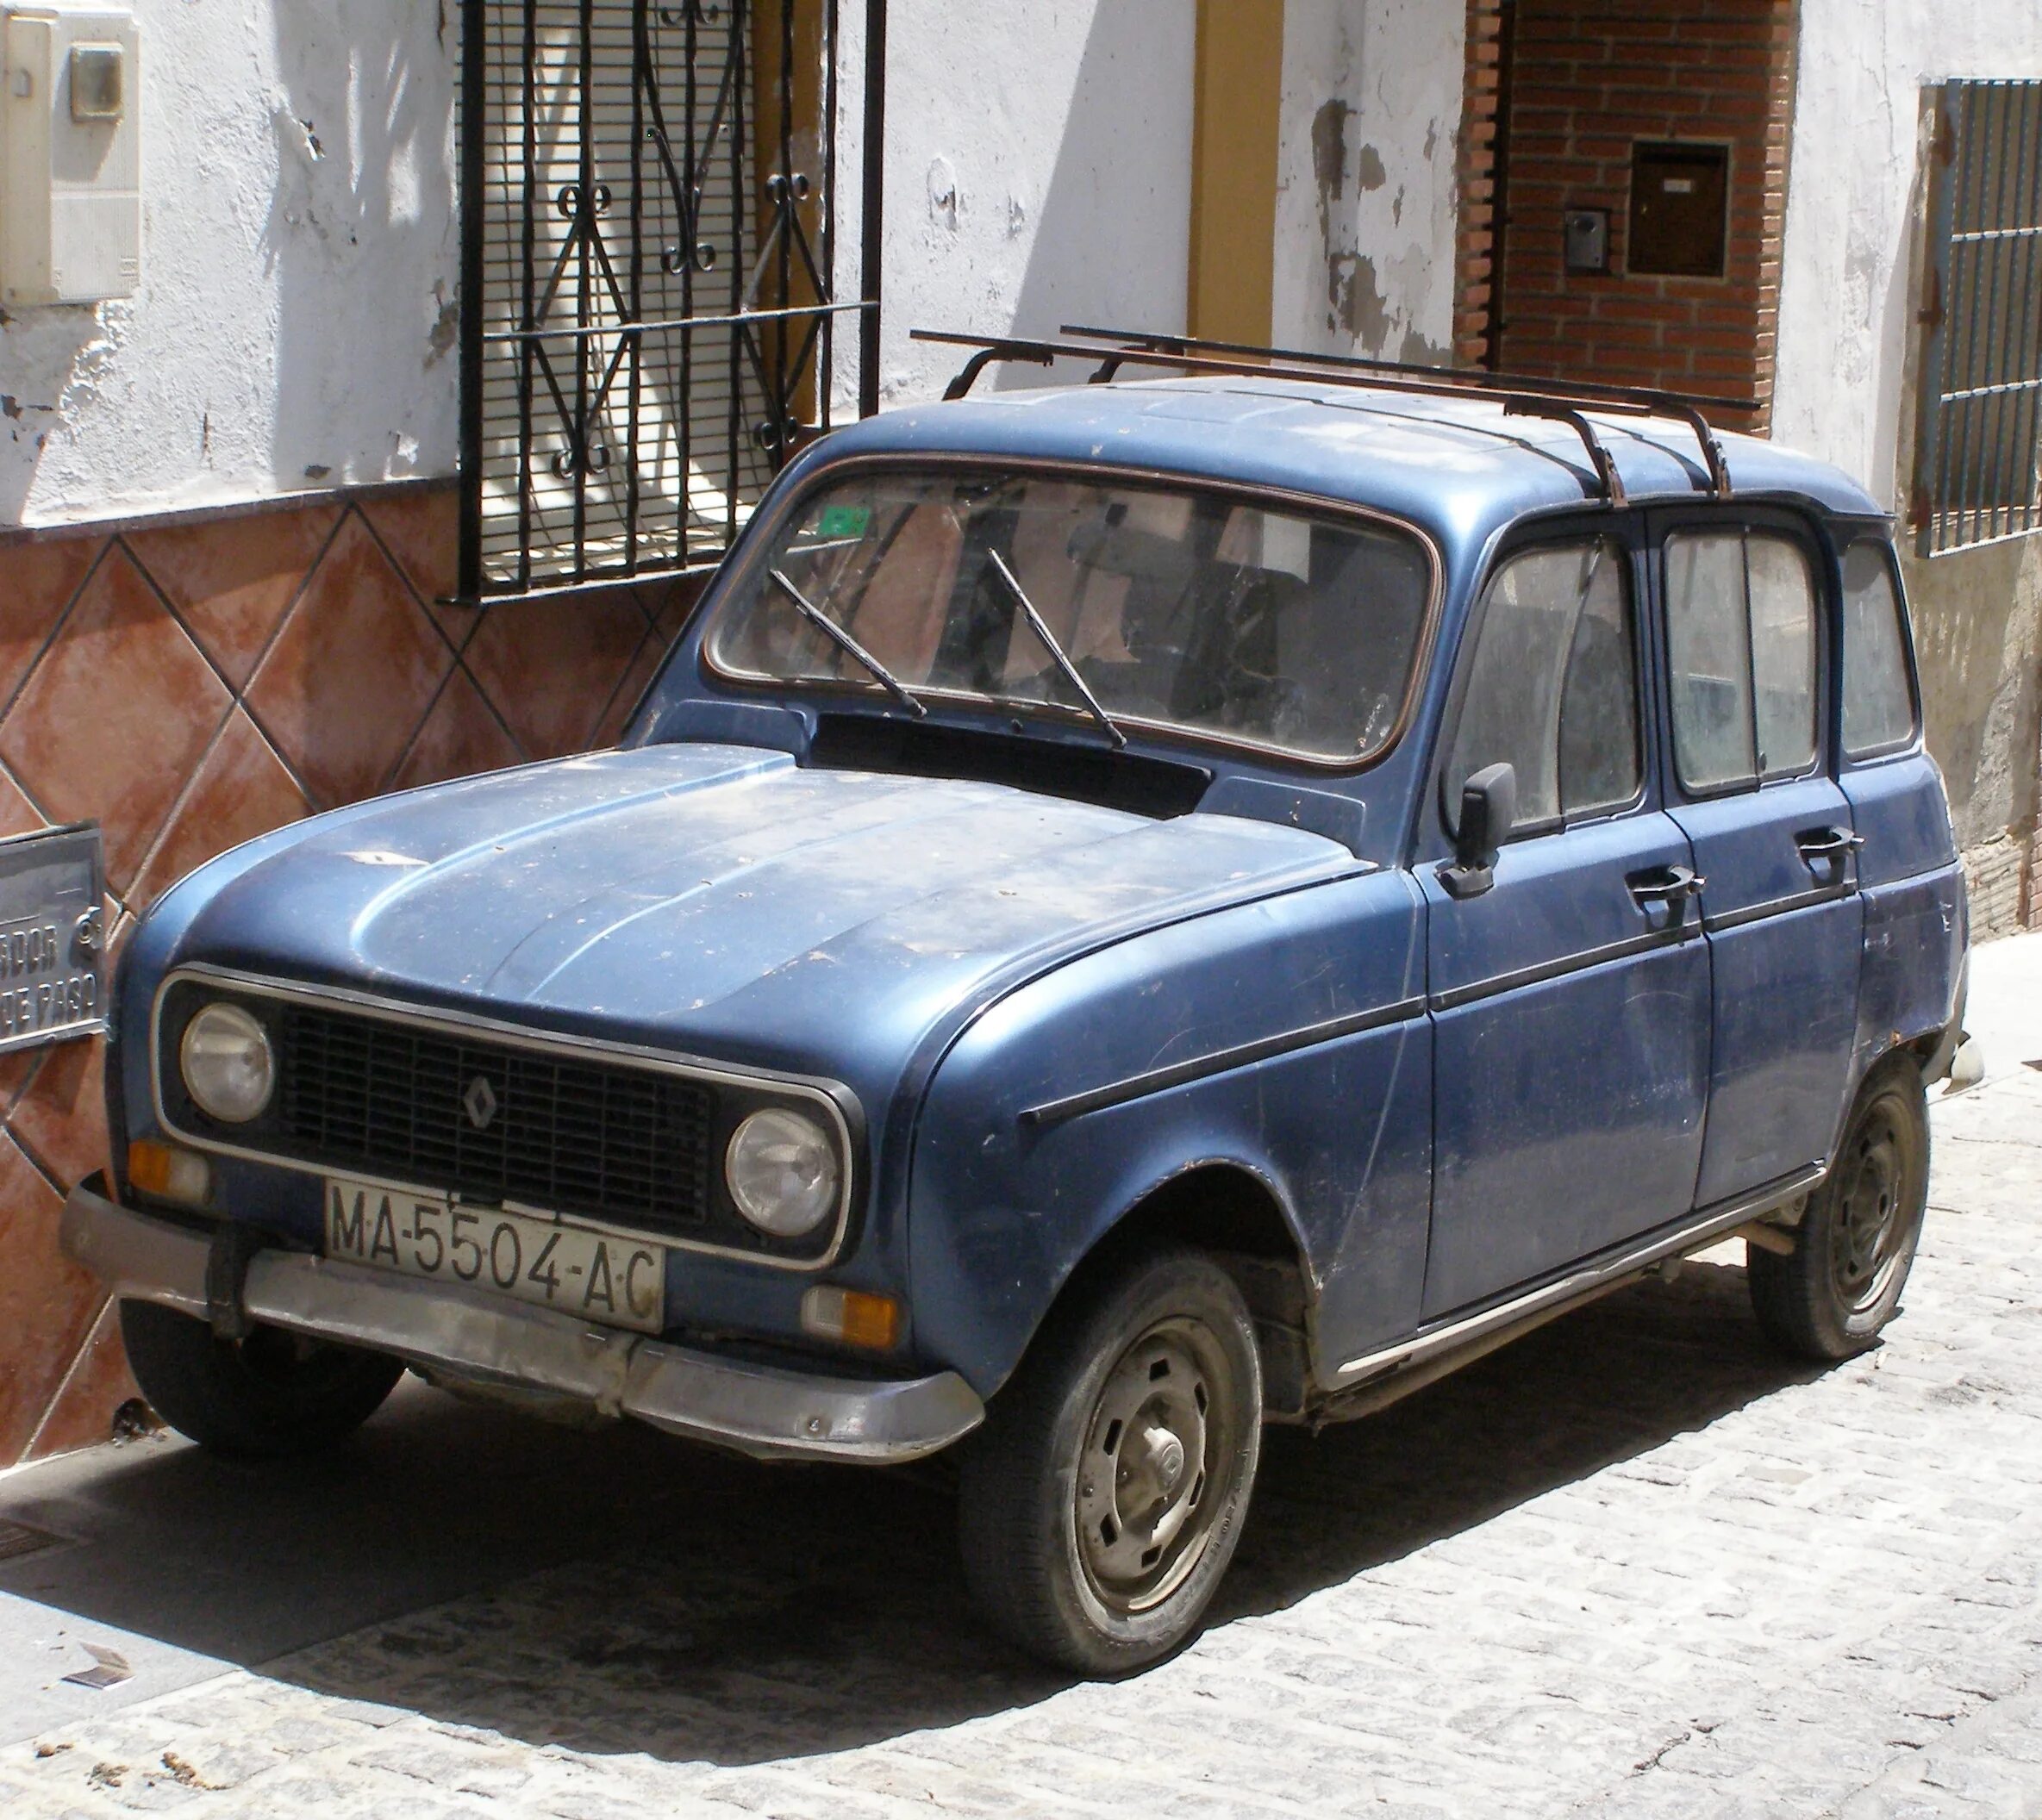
{"x": 649, "y": 247}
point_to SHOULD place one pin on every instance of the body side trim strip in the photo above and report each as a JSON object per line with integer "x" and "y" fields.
{"x": 1539, "y": 972}
{"x": 1775, "y": 907}
{"x": 1218, "y": 1062}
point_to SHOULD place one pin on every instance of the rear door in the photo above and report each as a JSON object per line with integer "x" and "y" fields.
{"x": 1746, "y": 634}
{"x": 1907, "y": 870}
{"x": 1569, "y": 999}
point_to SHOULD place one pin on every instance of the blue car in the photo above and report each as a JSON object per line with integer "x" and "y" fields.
{"x": 1135, "y": 910}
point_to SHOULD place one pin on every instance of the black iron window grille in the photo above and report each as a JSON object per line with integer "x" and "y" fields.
{"x": 649, "y": 233}
{"x": 1978, "y": 459}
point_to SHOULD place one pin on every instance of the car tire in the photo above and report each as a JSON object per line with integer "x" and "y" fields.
{"x": 1829, "y": 1297}
{"x": 264, "y": 1397}
{"x": 1101, "y": 1503}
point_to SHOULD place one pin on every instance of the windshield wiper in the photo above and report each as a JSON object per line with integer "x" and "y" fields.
{"x": 816, "y": 617}
{"x": 1041, "y": 630}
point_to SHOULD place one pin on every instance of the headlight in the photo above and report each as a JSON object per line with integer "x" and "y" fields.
{"x": 229, "y": 1070}
{"x": 783, "y": 1172}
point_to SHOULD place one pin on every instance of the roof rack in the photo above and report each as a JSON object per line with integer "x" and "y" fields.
{"x": 1559, "y": 400}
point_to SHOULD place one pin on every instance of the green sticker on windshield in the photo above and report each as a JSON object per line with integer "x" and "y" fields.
{"x": 844, "y": 521}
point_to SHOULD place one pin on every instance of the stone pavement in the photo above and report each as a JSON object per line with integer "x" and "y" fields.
{"x": 1632, "y": 1566}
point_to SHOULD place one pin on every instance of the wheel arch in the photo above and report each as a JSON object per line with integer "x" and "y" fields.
{"x": 1236, "y": 1215}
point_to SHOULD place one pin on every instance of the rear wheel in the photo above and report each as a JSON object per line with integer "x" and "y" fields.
{"x": 1101, "y": 1504}
{"x": 270, "y": 1395}
{"x": 1829, "y": 1297}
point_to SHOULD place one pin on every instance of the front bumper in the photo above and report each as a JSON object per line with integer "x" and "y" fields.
{"x": 448, "y": 1329}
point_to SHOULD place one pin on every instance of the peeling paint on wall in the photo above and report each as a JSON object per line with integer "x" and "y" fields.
{"x": 1365, "y": 208}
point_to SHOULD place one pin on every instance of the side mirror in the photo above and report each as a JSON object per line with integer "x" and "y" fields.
{"x": 1488, "y": 808}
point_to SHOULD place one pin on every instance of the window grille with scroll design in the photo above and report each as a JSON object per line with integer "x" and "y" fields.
{"x": 648, "y": 226}
{"x": 1979, "y": 437}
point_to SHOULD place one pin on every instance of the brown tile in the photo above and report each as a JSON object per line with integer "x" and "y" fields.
{"x": 672, "y": 603}
{"x": 460, "y": 738}
{"x": 242, "y": 790}
{"x": 37, "y": 582}
{"x": 98, "y": 1384}
{"x": 47, "y": 1304}
{"x": 18, "y": 813}
{"x": 351, "y": 675}
{"x": 231, "y": 578}
{"x": 61, "y": 1118}
{"x": 421, "y": 529}
{"x": 116, "y": 715}
{"x": 617, "y": 715}
{"x": 551, "y": 666}
{"x": 17, "y": 1069}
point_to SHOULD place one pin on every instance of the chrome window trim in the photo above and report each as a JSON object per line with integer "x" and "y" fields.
{"x": 742, "y": 572}
{"x": 824, "y": 1093}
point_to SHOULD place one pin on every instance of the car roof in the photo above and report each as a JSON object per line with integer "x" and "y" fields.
{"x": 1456, "y": 465}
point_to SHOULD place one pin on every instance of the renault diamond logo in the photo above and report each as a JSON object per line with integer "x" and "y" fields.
{"x": 480, "y": 1100}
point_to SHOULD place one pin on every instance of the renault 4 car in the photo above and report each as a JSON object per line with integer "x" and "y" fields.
{"x": 1133, "y": 910}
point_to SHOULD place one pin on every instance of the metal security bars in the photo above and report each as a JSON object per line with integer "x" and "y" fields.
{"x": 648, "y": 222}
{"x": 1979, "y": 437}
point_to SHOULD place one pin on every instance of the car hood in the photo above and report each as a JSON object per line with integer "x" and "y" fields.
{"x": 720, "y": 900}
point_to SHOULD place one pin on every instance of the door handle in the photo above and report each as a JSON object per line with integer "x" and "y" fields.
{"x": 1669, "y": 885}
{"x": 1827, "y": 847}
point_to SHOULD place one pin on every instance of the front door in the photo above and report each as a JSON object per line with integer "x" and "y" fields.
{"x": 1569, "y": 999}
{"x": 1746, "y": 646}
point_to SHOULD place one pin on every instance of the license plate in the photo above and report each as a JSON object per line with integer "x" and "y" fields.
{"x": 594, "y": 1276}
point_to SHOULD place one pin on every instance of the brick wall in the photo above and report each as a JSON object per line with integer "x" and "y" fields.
{"x": 192, "y": 685}
{"x": 1474, "y": 242}
{"x": 1586, "y": 80}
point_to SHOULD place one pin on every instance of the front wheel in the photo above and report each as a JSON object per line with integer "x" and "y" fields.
{"x": 1101, "y": 1502}
{"x": 262, "y": 1398}
{"x": 1829, "y": 1297}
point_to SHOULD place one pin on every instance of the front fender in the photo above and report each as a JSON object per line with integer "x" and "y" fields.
{"x": 1286, "y": 1038}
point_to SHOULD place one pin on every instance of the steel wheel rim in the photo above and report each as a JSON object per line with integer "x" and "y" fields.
{"x": 1149, "y": 1477}
{"x": 1868, "y": 1223}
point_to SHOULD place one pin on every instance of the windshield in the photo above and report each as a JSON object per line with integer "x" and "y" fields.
{"x": 1189, "y": 610}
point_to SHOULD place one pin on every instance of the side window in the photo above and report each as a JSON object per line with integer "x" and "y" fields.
{"x": 1878, "y": 705}
{"x": 1553, "y": 689}
{"x": 1742, "y": 646}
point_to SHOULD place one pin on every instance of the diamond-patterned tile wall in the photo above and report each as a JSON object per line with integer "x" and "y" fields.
{"x": 191, "y": 685}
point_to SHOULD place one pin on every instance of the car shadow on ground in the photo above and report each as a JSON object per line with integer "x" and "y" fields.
{"x": 614, "y": 1592}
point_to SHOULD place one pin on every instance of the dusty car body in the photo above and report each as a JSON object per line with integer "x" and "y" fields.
{"x": 1407, "y": 1009}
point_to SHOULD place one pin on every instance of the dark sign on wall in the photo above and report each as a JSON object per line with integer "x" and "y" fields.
{"x": 53, "y": 936}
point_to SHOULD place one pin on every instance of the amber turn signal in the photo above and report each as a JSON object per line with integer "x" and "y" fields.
{"x": 168, "y": 1173}
{"x": 851, "y": 1316}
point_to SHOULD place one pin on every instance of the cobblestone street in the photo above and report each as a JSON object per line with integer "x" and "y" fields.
{"x": 1633, "y": 1565}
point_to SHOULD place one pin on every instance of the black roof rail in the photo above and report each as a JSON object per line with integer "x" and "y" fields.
{"x": 1687, "y": 406}
{"x": 1560, "y": 400}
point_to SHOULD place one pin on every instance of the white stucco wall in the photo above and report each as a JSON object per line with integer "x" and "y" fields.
{"x": 295, "y": 325}
{"x": 1039, "y": 173}
{"x": 1365, "y": 186}
{"x": 1853, "y": 198}
{"x": 294, "y": 328}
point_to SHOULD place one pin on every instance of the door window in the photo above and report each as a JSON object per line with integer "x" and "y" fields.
{"x": 1878, "y": 704}
{"x": 1553, "y": 689}
{"x": 1742, "y": 647}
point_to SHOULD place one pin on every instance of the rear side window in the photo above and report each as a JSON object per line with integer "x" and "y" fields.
{"x": 1878, "y": 704}
{"x": 1742, "y": 647}
{"x": 1553, "y": 690}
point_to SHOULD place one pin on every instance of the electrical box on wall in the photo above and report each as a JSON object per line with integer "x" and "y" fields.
{"x": 70, "y": 153}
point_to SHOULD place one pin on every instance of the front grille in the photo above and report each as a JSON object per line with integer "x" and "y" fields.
{"x": 606, "y": 1141}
